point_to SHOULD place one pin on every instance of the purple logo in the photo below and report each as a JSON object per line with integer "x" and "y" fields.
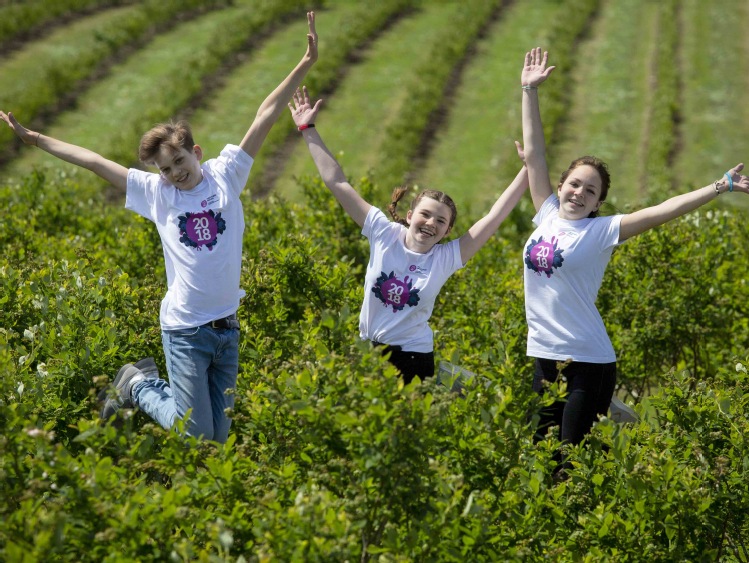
{"x": 201, "y": 229}
{"x": 394, "y": 292}
{"x": 543, "y": 257}
{"x": 203, "y": 203}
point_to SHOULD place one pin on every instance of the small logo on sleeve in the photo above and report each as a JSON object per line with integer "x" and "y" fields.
{"x": 395, "y": 293}
{"x": 201, "y": 229}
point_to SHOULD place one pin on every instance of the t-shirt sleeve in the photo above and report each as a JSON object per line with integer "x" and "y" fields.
{"x": 455, "y": 262}
{"x": 233, "y": 165}
{"x": 610, "y": 231}
{"x": 141, "y": 190}
{"x": 548, "y": 207}
{"x": 375, "y": 223}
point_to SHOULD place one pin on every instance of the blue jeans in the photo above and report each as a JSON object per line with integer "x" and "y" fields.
{"x": 202, "y": 363}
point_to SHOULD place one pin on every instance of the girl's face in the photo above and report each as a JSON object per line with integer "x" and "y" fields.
{"x": 428, "y": 223}
{"x": 580, "y": 194}
{"x": 180, "y": 168}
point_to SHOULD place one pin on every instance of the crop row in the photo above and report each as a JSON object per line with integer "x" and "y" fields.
{"x": 36, "y": 83}
{"x": 18, "y": 19}
{"x": 355, "y": 30}
{"x": 661, "y": 140}
{"x": 713, "y": 84}
{"x": 482, "y": 112}
{"x": 425, "y": 89}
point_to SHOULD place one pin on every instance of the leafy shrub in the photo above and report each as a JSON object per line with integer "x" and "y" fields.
{"x": 331, "y": 457}
{"x": 671, "y": 298}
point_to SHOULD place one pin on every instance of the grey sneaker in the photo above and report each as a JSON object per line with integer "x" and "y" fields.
{"x": 148, "y": 367}
{"x": 123, "y": 384}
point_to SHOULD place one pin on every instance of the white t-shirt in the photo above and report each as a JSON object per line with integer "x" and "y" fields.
{"x": 564, "y": 266}
{"x": 401, "y": 286}
{"x": 201, "y": 235}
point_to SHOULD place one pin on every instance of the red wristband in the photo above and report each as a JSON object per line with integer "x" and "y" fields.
{"x": 306, "y": 126}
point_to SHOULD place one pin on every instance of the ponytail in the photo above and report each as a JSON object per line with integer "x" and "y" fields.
{"x": 392, "y": 207}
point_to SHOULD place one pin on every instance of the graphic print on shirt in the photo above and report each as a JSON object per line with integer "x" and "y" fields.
{"x": 543, "y": 256}
{"x": 394, "y": 292}
{"x": 201, "y": 229}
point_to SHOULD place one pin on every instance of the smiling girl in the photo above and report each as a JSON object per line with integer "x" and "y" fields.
{"x": 407, "y": 267}
{"x": 566, "y": 257}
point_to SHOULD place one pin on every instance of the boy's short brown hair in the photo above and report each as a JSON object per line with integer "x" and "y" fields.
{"x": 175, "y": 135}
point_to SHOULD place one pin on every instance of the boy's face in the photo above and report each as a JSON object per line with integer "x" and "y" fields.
{"x": 180, "y": 168}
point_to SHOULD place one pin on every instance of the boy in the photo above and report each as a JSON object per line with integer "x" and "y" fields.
{"x": 199, "y": 217}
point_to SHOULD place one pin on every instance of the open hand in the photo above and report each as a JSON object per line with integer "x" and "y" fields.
{"x": 535, "y": 70}
{"x": 740, "y": 182}
{"x": 302, "y": 111}
{"x": 311, "y": 37}
{"x": 28, "y": 137}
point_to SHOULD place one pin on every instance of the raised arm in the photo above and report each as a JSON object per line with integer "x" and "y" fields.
{"x": 271, "y": 109}
{"x": 645, "y": 219}
{"x": 534, "y": 73}
{"x": 477, "y": 236}
{"x": 304, "y": 113}
{"x": 114, "y": 173}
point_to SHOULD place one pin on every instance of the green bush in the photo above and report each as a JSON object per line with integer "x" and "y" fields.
{"x": 331, "y": 458}
{"x": 671, "y": 298}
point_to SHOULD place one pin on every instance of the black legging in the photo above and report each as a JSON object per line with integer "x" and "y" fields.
{"x": 410, "y": 364}
{"x": 589, "y": 391}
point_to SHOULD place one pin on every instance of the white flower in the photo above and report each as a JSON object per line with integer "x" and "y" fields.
{"x": 226, "y": 539}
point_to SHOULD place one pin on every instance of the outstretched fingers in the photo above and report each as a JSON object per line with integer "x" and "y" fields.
{"x": 300, "y": 99}
{"x": 302, "y": 110}
{"x": 535, "y": 69}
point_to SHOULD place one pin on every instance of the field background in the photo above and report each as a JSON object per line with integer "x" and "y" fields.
{"x": 643, "y": 85}
{"x": 331, "y": 458}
